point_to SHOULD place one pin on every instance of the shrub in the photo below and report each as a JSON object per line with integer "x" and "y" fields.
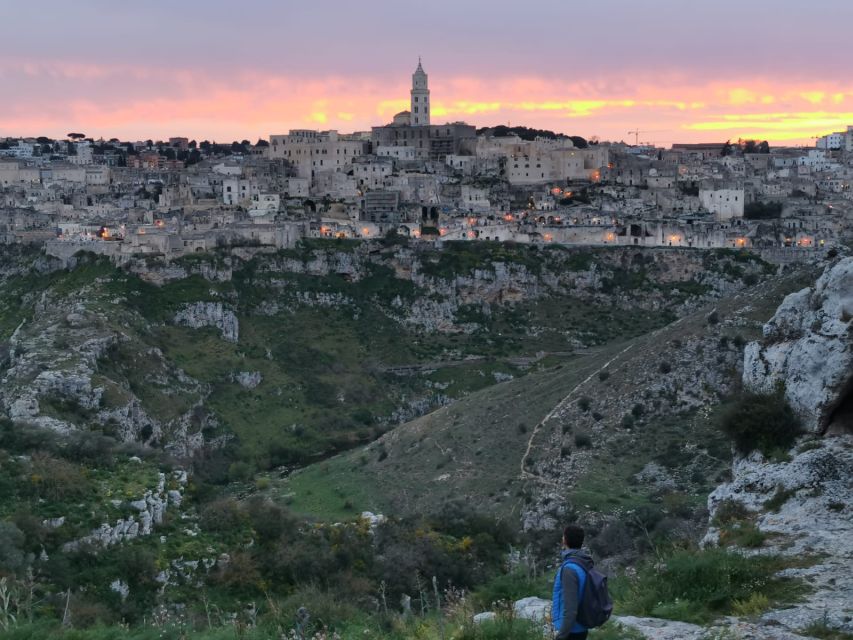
{"x": 713, "y": 318}
{"x": 757, "y": 422}
{"x": 665, "y": 367}
{"x": 779, "y": 498}
{"x": 584, "y": 404}
{"x": 743, "y": 534}
{"x": 12, "y": 556}
{"x": 502, "y": 628}
{"x": 603, "y": 375}
{"x": 583, "y": 440}
{"x": 696, "y": 586}
{"x": 762, "y": 210}
{"x": 55, "y": 479}
{"x": 222, "y": 515}
{"x": 730, "y": 511}
{"x": 507, "y": 588}
{"x": 755, "y": 604}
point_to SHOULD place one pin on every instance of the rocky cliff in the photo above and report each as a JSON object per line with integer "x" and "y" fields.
{"x": 808, "y": 349}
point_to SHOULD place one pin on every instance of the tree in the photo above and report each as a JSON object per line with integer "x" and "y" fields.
{"x": 727, "y": 149}
{"x": 262, "y": 143}
{"x": 76, "y": 136}
{"x": 754, "y": 146}
{"x": 12, "y": 556}
{"x": 760, "y": 422}
{"x": 762, "y": 210}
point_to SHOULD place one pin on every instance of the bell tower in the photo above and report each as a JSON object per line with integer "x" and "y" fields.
{"x": 420, "y": 98}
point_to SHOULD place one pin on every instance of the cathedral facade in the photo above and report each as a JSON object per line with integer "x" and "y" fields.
{"x": 414, "y": 128}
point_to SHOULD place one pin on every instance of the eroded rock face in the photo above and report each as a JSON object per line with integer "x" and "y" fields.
{"x": 210, "y": 314}
{"x": 151, "y": 508}
{"x": 803, "y": 505}
{"x": 808, "y": 348}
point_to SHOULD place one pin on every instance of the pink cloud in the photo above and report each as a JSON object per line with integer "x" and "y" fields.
{"x": 136, "y": 102}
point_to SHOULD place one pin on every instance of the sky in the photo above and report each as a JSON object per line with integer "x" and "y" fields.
{"x": 677, "y": 70}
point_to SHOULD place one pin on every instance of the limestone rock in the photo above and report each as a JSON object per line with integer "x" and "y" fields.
{"x": 210, "y": 314}
{"x": 657, "y": 629}
{"x": 532, "y": 608}
{"x": 486, "y": 616}
{"x": 121, "y": 588}
{"x": 808, "y": 347}
{"x": 248, "y": 379}
{"x": 813, "y": 520}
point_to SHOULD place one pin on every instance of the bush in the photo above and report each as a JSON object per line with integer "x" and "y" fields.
{"x": 223, "y": 515}
{"x": 665, "y": 368}
{"x": 503, "y": 628}
{"x": 779, "y": 498}
{"x": 757, "y": 422}
{"x": 584, "y": 404}
{"x": 743, "y": 534}
{"x": 507, "y": 588}
{"x": 696, "y": 586}
{"x": 603, "y": 375}
{"x": 583, "y": 440}
{"x": 762, "y": 210}
{"x": 730, "y": 511}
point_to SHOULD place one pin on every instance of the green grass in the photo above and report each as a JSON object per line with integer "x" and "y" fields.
{"x": 469, "y": 450}
{"x": 822, "y": 630}
{"x": 699, "y": 586}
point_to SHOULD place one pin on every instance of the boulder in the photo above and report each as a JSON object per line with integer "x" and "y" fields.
{"x": 535, "y": 609}
{"x": 808, "y": 348}
{"x": 486, "y": 616}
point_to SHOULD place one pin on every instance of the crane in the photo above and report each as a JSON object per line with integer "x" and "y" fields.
{"x": 636, "y": 133}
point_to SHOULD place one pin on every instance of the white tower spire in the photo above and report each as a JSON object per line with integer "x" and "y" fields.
{"x": 420, "y": 97}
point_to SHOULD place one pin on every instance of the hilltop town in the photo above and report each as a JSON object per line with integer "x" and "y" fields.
{"x": 425, "y": 181}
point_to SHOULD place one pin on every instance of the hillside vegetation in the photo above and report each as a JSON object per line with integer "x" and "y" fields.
{"x": 187, "y": 447}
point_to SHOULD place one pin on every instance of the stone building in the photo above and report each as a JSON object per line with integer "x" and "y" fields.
{"x": 414, "y": 129}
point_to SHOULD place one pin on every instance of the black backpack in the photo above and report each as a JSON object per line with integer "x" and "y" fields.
{"x": 596, "y": 604}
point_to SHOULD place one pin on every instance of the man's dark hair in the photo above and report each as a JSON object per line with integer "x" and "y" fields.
{"x": 573, "y": 536}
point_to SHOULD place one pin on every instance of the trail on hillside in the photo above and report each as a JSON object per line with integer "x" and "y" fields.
{"x": 526, "y": 475}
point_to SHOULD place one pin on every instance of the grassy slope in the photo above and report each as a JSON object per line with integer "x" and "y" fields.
{"x": 473, "y": 449}
{"x": 449, "y": 453}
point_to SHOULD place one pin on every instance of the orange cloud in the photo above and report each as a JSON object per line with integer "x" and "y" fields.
{"x": 140, "y": 102}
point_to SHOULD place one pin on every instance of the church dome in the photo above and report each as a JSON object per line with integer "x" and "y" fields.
{"x": 404, "y": 117}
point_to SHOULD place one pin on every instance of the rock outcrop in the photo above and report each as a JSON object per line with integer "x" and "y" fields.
{"x": 808, "y": 348}
{"x": 151, "y": 508}
{"x": 804, "y": 506}
{"x": 210, "y": 314}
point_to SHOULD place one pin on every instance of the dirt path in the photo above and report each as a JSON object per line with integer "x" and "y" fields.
{"x": 526, "y": 475}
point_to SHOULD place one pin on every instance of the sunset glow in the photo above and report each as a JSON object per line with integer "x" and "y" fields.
{"x": 253, "y": 84}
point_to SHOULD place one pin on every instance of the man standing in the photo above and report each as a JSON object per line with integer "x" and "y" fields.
{"x": 569, "y": 586}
